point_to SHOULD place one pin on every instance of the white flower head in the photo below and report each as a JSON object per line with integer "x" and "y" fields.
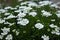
{"x": 3, "y": 10}
{"x": 42, "y": 3}
{"x": 29, "y": 3}
{"x": 23, "y": 22}
{"x": 23, "y": 3}
{"x": 32, "y": 4}
{"x": 13, "y": 8}
{"x": 1, "y": 20}
{"x": 54, "y": 5}
{"x": 10, "y": 16}
{"x": 45, "y": 13}
{"x": 17, "y": 33}
{"x": 10, "y": 24}
{"x": 58, "y": 11}
{"x": 1, "y": 36}
{"x": 45, "y": 37}
{"x": 58, "y": 15}
{"x": 14, "y": 30}
{"x": 7, "y": 14}
{"x": 21, "y": 14}
{"x": 56, "y": 31}
{"x": 39, "y": 25}
{"x": 5, "y": 33}
{"x": 25, "y": 9}
{"x": 9, "y": 7}
{"x": 9, "y": 37}
{"x": 52, "y": 20}
{"x": 5, "y": 30}
{"x": 17, "y": 11}
{"x": 53, "y": 26}
{"x": 33, "y": 14}
{"x": 20, "y": 0}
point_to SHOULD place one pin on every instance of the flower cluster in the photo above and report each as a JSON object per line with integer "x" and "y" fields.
{"x": 30, "y": 21}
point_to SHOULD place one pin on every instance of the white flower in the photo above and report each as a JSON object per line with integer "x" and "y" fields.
{"x": 20, "y": 0}
{"x": 29, "y": 3}
{"x": 10, "y": 24}
{"x": 7, "y": 14}
{"x": 9, "y": 7}
{"x": 45, "y": 37}
{"x": 9, "y": 37}
{"x": 1, "y": 20}
{"x": 56, "y": 31}
{"x": 23, "y": 22}
{"x": 3, "y": 11}
{"x": 45, "y": 13}
{"x": 21, "y": 14}
{"x": 52, "y": 19}
{"x": 32, "y": 4}
{"x": 25, "y": 9}
{"x": 42, "y": 3}
{"x": 23, "y": 3}
{"x": 17, "y": 33}
{"x": 33, "y": 14}
{"x": 54, "y": 5}
{"x": 53, "y": 26}
{"x": 1, "y": 36}
{"x": 58, "y": 15}
{"x": 5, "y": 30}
{"x": 17, "y": 6}
{"x": 13, "y": 30}
{"x": 39, "y": 25}
{"x": 4, "y": 33}
{"x": 13, "y": 8}
{"x": 10, "y": 16}
{"x": 53, "y": 31}
{"x": 17, "y": 10}
{"x": 58, "y": 11}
